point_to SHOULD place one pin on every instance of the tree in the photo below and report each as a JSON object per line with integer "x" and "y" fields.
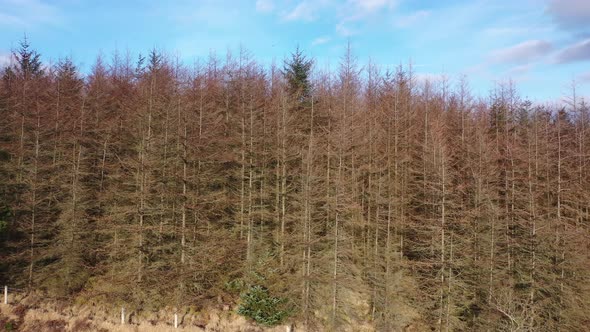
{"x": 28, "y": 61}
{"x": 297, "y": 72}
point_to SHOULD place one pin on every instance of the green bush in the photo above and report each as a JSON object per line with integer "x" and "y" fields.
{"x": 264, "y": 309}
{"x": 9, "y": 326}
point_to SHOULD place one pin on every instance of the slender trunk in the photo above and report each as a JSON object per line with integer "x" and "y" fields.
{"x": 442, "y": 237}
{"x": 283, "y": 180}
{"x": 184, "y": 198}
{"x": 102, "y": 165}
{"x": 560, "y": 237}
{"x": 34, "y": 196}
{"x": 307, "y": 218}
{"x": 450, "y": 284}
{"x": 56, "y": 129}
{"x": 250, "y": 185}
{"x": 336, "y": 242}
{"x": 243, "y": 176}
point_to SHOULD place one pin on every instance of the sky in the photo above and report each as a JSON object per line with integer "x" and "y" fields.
{"x": 541, "y": 45}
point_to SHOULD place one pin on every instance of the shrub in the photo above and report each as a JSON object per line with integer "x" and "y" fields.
{"x": 258, "y": 305}
{"x": 235, "y": 286}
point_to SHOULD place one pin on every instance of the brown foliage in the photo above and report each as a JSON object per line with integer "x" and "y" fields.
{"x": 374, "y": 198}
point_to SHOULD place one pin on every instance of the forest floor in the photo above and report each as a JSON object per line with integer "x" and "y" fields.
{"x": 35, "y": 315}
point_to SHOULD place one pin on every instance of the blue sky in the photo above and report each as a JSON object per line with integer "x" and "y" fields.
{"x": 541, "y": 44}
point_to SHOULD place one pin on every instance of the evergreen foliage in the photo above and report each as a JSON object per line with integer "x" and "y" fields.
{"x": 28, "y": 61}
{"x": 257, "y": 304}
{"x": 297, "y": 71}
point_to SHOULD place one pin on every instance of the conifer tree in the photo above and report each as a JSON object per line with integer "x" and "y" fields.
{"x": 297, "y": 72}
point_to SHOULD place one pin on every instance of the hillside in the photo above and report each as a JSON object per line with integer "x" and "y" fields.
{"x": 331, "y": 200}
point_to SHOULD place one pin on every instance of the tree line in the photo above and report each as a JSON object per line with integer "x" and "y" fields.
{"x": 358, "y": 196}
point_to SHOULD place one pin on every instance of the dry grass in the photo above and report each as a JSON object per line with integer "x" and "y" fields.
{"x": 33, "y": 315}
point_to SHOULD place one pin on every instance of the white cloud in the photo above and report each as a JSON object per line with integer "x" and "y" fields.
{"x": 356, "y": 10}
{"x": 353, "y": 13}
{"x": 320, "y": 41}
{"x": 570, "y": 14}
{"x": 4, "y": 59}
{"x": 304, "y": 11}
{"x": 264, "y": 6}
{"x": 507, "y": 32}
{"x": 409, "y": 20}
{"x": 6, "y": 19}
{"x": 576, "y": 52}
{"x": 584, "y": 77}
{"x": 349, "y": 10}
{"x": 28, "y": 13}
{"x": 523, "y": 52}
{"x": 519, "y": 70}
{"x": 344, "y": 30}
{"x": 213, "y": 15}
{"x": 350, "y": 15}
{"x": 371, "y": 6}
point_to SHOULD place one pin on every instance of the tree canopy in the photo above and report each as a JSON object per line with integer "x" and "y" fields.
{"x": 391, "y": 202}
{"x": 297, "y": 71}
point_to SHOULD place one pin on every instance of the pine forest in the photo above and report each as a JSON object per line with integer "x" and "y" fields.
{"x": 355, "y": 197}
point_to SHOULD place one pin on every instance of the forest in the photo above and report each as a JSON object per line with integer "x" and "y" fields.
{"x": 351, "y": 196}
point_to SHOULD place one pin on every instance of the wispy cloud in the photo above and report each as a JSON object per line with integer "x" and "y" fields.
{"x": 353, "y": 14}
{"x": 7, "y": 19}
{"x": 570, "y": 14}
{"x": 348, "y": 10}
{"x": 303, "y": 11}
{"x": 523, "y": 52}
{"x": 412, "y": 19}
{"x": 306, "y": 10}
{"x": 576, "y": 52}
{"x": 368, "y": 7}
{"x": 264, "y": 6}
{"x": 214, "y": 15}
{"x": 28, "y": 13}
{"x": 4, "y": 59}
{"x": 584, "y": 78}
{"x": 360, "y": 10}
{"x": 320, "y": 41}
{"x": 503, "y": 32}
{"x": 519, "y": 70}
{"x": 344, "y": 29}
{"x": 348, "y": 14}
